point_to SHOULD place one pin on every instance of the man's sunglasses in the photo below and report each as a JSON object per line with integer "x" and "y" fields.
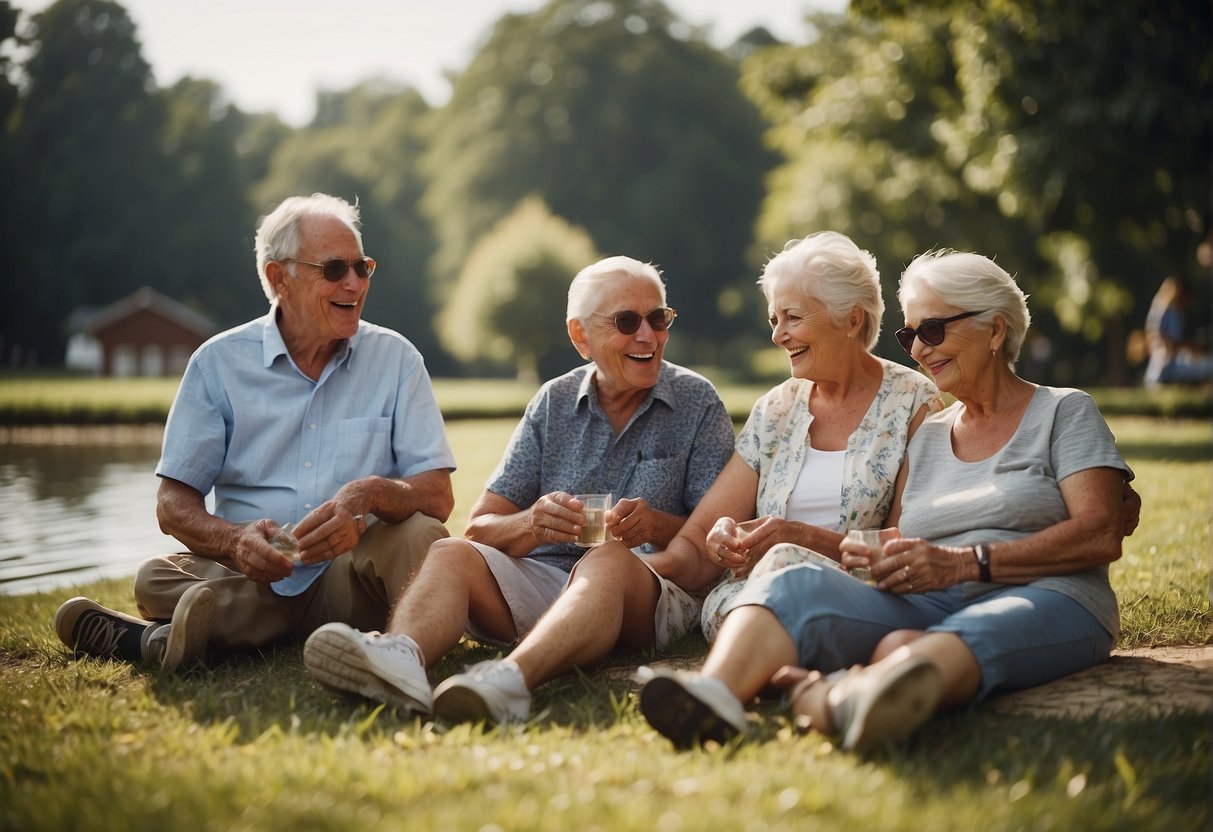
{"x": 336, "y": 269}
{"x": 628, "y": 322}
{"x": 930, "y": 331}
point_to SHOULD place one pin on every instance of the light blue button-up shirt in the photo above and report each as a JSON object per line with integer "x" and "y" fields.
{"x": 272, "y": 443}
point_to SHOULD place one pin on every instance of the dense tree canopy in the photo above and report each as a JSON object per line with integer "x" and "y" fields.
{"x": 625, "y": 122}
{"x": 1070, "y": 139}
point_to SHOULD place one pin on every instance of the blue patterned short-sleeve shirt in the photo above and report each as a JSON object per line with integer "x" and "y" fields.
{"x": 669, "y": 453}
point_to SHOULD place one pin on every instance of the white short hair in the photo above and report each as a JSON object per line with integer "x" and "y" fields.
{"x": 829, "y": 266}
{"x": 592, "y": 283}
{"x": 278, "y": 231}
{"x": 972, "y": 282}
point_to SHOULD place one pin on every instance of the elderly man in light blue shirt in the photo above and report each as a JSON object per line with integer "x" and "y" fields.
{"x": 320, "y": 439}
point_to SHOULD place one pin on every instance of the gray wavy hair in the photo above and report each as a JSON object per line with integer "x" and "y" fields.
{"x": 278, "y": 231}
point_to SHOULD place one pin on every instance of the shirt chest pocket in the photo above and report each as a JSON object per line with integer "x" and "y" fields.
{"x": 364, "y": 449}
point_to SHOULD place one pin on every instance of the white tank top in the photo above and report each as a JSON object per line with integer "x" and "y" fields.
{"x": 816, "y": 498}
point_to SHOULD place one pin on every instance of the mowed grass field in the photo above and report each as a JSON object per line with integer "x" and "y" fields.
{"x": 253, "y": 743}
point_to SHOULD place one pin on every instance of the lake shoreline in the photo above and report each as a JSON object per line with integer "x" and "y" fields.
{"x": 106, "y": 435}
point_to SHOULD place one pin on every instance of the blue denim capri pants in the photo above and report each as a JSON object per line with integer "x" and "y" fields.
{"x": 1021, "y": 636}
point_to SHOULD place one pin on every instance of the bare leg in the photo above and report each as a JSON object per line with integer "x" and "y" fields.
{"x": 611, "y": 599}
{"x": 751, "y": 646}
{"x": 895, "y": 639}
{"x": 949, "y": 653}
{"x": 455, "y": 585}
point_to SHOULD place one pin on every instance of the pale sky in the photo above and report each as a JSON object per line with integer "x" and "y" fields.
{"x": 272, "y": 55}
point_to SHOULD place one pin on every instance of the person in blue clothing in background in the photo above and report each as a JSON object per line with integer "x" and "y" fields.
{"x": 1174, "y": 359}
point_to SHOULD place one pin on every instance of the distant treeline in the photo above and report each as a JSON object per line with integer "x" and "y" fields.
{"x": 1068, "y": 139}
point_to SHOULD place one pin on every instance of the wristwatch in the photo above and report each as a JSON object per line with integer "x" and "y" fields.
{"x": 982, "y": 552}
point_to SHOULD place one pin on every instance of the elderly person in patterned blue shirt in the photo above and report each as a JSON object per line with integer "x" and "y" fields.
{"x": 308, "y": 416}
{"x": 629, "y": 423}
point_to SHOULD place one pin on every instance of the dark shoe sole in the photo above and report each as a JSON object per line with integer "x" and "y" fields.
{"x": 680, "y": 716}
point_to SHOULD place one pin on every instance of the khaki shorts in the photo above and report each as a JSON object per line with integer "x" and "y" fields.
{"x": 530, "y": 587}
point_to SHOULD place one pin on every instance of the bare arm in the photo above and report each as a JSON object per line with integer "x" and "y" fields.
{"x": 182, "y": 513}
{"x": 502, "y": 524}
{"x": 333, "y": 527}
{"x": 686, "y": 560}
{"x": 1090, "y": 537}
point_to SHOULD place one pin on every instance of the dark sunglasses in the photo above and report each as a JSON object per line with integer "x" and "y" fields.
{"x": 930, "y": 331}
{"x": 336, "y": 269}
{"x": 628, "y": 322}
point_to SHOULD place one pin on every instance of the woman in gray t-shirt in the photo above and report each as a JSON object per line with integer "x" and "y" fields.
{"x": 1008, "y": 511}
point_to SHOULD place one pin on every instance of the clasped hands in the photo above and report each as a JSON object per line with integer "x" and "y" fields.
{"x": 329, "y": 530}
{"x": 738, "y": 546}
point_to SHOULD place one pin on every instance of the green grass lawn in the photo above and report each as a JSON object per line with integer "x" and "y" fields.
{"x": 253, "y": 743}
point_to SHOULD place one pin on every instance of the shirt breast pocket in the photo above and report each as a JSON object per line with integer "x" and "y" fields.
{"x": 364, "y": 449}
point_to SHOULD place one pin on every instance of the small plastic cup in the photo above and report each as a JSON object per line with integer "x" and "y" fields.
{"x": 871, "y": 539}
{"x": 284, "y": 541}
{"x": 593, "y": 529}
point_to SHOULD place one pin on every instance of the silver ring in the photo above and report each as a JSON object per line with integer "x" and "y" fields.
{"x": 909, "y": 587}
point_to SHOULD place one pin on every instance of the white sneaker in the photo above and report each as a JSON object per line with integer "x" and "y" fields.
{"x": 876, "y": 704}
{"x": 690, "y": 708}
{"x": 492, "y": 691}
{"x": 383, "y": 667}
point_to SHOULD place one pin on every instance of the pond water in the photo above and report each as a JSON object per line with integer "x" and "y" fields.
{"x": 77, "y": 508}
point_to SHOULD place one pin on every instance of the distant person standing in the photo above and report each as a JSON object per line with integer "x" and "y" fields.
{"x": 1173, "y": 358}
{"x": 307, "y": 415}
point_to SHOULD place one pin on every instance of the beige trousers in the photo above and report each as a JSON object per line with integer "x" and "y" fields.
{"x": 358, "y": 588}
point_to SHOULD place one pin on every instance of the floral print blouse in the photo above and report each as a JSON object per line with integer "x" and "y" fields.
{"x": 774, "y": 443}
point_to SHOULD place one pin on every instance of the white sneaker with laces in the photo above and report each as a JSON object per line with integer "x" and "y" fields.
{"x": 690, "y": 708}
{"x": 384, "y": 667}
{"x": 492, "y": 691}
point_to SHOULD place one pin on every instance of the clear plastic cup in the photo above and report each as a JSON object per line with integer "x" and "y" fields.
{"x": 871, "y": 539}
{"x": 594, "y": 509}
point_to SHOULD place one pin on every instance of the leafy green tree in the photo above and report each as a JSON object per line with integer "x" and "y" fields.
{"x": 1070, "y": 139}
{"x": 505, "y": 305}
{"x": 364, "y": 145}
{"x": 87, "y": 132}
{"x": 854, "y": 113}
{"x": 209, "y": 233}
{"x": 626, "y": 123}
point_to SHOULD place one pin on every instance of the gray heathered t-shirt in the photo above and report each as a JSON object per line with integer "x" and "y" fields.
{"x": 1015, "y": 492}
